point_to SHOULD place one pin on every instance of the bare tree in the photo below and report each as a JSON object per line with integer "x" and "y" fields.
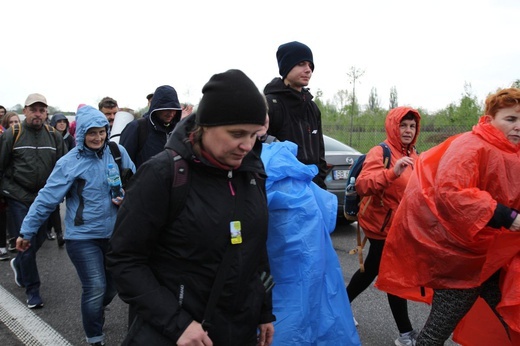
{"x": 393, "y": 98}
{"x": 354, "y": 74}
{"x": 373, "y": 100}
{"x": 341, "y": 99}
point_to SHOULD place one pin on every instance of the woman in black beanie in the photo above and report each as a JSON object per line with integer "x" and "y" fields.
{"x": 168, "y": 264}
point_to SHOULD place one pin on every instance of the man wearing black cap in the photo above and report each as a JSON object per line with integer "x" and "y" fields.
{"x": 293, "y": 116}
{"x": 28, "y": 153}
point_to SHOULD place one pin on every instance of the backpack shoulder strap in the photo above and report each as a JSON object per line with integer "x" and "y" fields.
{"x": 142, "y": 133}
{"x": 54, "y": 133}
{"x": 180, "y": 182}
{"x": 387, "y": 154}
{"x": 17, "y": 131}
{"x": 116, "y": 154}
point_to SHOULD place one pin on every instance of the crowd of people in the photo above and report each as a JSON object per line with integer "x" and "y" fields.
{"x": 185, "y": 245}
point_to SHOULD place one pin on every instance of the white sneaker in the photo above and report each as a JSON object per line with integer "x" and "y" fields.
{"x": 407, "y": 339}
{"x": 4, "y": 256}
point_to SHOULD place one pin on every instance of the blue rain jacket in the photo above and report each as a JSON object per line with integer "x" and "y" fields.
{"x": 97, "y": 216}
{"x": 309, "y": 299}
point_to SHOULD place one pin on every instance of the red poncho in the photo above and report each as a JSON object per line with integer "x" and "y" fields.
{"x": 440, "y": 238}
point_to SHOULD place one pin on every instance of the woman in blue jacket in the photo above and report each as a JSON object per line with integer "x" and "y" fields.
{"x": 81, "y": 175}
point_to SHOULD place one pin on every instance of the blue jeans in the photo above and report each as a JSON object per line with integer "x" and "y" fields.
{"x": 26, "y": 260}
{"x": 88, "y": 256}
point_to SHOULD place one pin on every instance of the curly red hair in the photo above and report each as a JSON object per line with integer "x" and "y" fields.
{"x": 503, "y": 98}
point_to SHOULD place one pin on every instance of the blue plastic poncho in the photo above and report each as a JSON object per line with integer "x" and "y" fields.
{"x": 309, "y": 298}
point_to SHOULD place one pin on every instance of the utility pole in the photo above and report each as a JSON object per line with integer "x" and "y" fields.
{"x": 353, "y": 75}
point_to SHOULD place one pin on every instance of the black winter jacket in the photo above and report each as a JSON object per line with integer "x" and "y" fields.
{"x": 293, "y": 116}
{"x": 165, "y": 268}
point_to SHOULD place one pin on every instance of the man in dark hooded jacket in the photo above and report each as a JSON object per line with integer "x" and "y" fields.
{"x": 145, "y": 137}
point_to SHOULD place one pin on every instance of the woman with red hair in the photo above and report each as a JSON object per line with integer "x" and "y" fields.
{"x": 456, "y": 229}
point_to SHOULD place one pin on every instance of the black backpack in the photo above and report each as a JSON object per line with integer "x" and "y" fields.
{"x": 352, "y": 199}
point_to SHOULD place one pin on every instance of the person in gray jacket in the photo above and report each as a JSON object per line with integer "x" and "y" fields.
{"x": 28, "y": 153}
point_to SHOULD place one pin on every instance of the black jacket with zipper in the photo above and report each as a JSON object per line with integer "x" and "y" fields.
{"x": 293, "y": 116}
{"x": 165, "y": 268}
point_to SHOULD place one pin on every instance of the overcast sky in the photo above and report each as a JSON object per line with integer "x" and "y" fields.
{"x": 78, "y": 52}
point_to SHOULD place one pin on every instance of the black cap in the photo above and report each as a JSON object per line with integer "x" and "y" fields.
{"x": 290, "y": 54}
{"x": 231, "y": 98}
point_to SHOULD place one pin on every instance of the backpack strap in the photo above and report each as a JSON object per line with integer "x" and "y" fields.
{"x": 17, "y": 131}
{"x": 54, "y": 133}
{"x": 180, "y": 182}
{"x": 359, "y": 248}
{"x": 116, "y": 154}
{"x": 387, "y": 154}
{"x": 361, "y": 242}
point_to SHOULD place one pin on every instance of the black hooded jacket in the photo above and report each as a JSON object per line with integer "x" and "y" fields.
{"x": 69, "y": 141}
{"x": 155, "y": 132}
{"x": 293, "y": 116}
{"x": 165, "y": 268}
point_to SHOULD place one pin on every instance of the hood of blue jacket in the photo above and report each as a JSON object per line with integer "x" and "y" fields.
{"x": 88, "y": 117}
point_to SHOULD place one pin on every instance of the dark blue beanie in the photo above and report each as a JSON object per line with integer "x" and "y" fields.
{"x": 291, "y": 54}
{"x": 231, "y": 98}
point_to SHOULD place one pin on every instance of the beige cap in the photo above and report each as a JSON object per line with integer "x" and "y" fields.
{"x": 34, "y": 98}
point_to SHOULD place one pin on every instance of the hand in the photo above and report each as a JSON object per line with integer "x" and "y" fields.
{"x": 265, "y": 338}
{"x": 401, "y": 165}
{"x": 118, "y": 200}
{"x": 515, "y": 227}
{"x": 194, "y": 335}
{"x": 186, "y": 110}
{"x": 22, "y": 244}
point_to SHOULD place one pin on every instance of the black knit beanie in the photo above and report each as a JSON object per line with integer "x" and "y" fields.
{"x": 291, "y": 54}
{"x": 231, "y": 98}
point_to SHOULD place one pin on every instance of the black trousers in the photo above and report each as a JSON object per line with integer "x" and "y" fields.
{"x": 361, "y": 280}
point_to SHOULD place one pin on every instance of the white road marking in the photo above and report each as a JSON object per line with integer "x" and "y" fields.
{"x": 27, "y": 326}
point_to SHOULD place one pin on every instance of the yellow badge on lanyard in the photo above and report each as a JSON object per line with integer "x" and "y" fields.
{"x": 235, "y": 229}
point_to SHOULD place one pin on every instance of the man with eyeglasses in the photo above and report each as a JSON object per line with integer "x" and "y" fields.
{"x": 109, "y": 107}
{"x": 28, "y": 153}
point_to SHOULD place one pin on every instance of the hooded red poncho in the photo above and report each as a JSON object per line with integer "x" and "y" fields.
{"x": 439, "y": 237}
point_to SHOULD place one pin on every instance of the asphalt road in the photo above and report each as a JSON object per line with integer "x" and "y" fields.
{"x": 61, "y": 292}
